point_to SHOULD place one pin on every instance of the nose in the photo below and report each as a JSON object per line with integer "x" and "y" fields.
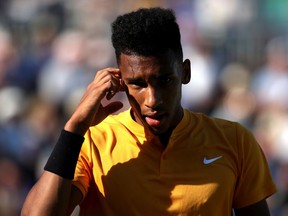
{"x": 153, "y": 97}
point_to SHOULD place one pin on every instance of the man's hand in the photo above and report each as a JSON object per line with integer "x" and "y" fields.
{"x": 90, "y": 111}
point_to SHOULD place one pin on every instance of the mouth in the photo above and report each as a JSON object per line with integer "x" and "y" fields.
{"x": 154, "y": 120}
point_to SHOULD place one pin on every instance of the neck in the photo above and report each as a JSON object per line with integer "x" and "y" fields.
{"x": 164, "y": 138}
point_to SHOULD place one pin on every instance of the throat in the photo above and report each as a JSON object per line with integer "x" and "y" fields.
{"x": 165, "y": 137}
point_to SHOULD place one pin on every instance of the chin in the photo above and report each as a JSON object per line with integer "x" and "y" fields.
{"x": 158, "y": 132}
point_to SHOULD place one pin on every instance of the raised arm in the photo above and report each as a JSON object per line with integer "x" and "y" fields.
{"x": 53, "y": 194}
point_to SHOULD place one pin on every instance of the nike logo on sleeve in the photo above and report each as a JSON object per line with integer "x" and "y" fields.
{"x": 211, "y": 160}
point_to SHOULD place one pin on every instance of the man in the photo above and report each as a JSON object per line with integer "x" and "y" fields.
{"x": 155, "y": 158}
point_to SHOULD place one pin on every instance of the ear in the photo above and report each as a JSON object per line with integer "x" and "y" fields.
{"x": 186, "y": 75}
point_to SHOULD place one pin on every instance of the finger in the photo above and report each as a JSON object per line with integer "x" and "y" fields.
{"x": 114, "y": 86}
{"x": 109, "y": 79}
{"x": 106, "y": 71}
{"x": 110, "y": 94}
{"x": 122, "y": 86}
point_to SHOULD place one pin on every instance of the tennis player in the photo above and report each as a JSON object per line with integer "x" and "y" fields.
{"x": 156, "y": 158}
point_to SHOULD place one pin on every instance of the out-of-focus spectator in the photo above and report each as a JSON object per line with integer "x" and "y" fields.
{"x": 34, "y": 54}
{"x": 12, "y": 101}
{"x": 12, "y": 188}
{"x": 280, "y": 201}
{"x": 30, "y": 129}
{"x": 270, "y": 83}
{"x": 23, "y": 137}
{"x": 33, "y": 26}
{"x": 271, "y": 131}
{"x": 7, "y": 56}
{"x": 237, "y": 102}
{"x": 199, "y": 93}
{"x": 92, "y": 16}
{"x": 214, "y": 18}
{"x": 66, "y": 71}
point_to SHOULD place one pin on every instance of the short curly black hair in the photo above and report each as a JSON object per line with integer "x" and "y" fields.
{"x": 147, "y": 32}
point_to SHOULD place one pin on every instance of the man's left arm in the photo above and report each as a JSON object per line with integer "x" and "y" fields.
{"x": 255, "y": 183}
{"x": 258, "y": 209}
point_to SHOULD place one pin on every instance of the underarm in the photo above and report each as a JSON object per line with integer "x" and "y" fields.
{"x": 75, "y": 198}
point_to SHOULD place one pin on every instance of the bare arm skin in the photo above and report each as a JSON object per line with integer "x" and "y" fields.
{"x": 257, "y": 209}
{"x": 53, "y": 194}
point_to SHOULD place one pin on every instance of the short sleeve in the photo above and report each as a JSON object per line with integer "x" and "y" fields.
{"x": 83, "y": 169}
{"x": 254, "y": 181}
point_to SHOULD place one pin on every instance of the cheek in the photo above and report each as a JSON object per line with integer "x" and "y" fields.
{"x": 134, "y": 94}
{"x": 135, "y": 98}
{"x": 174, "y": 98}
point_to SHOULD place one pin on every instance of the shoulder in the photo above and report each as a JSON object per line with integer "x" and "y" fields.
{"x": 111, "y": 126}
{"x": 103, "y": 135}
{"x": 203, "y": 120}
{"x": 217, "y": 127}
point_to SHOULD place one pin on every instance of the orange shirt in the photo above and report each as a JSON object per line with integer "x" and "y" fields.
{"x": 208, "y": 167}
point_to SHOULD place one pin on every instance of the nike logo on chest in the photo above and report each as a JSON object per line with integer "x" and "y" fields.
{"x": 210, "y": 160}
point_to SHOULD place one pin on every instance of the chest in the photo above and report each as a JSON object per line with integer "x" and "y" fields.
{"x": 178, "y": 180}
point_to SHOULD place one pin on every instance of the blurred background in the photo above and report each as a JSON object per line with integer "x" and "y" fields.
{"x": 51, "y": 49}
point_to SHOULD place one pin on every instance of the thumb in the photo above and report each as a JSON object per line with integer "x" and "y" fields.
{"x": 113, "y": 107}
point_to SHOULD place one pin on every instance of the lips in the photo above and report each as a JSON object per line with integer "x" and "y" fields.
{"x": 153, "y": 120}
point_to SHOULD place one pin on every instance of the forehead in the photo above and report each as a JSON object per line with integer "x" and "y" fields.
{"x": 137, "y": 66}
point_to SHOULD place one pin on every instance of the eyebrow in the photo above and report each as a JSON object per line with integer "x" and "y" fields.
{"x": 170, "y": 74}
{"x": 129, "y": 79}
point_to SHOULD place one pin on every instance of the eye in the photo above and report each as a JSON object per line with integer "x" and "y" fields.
{"x": 137, "y": 84}
{"x": 165, "y": 80}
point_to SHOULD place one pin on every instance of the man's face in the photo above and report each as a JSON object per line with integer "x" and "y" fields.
{"x": 154, "y": 89}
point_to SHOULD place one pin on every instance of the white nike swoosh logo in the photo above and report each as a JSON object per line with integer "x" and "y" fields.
{"x": 211, "y": 160}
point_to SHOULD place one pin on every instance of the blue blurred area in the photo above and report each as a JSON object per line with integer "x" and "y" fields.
{"x": 51, "y": 49}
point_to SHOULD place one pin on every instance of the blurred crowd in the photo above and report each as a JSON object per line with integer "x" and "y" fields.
{"x": 51, "y": 49}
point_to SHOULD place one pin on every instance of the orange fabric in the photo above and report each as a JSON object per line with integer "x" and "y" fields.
{"x": 120, "y": 171}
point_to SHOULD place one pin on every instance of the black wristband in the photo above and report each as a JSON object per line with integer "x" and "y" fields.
{"x": 64, "y": 156}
